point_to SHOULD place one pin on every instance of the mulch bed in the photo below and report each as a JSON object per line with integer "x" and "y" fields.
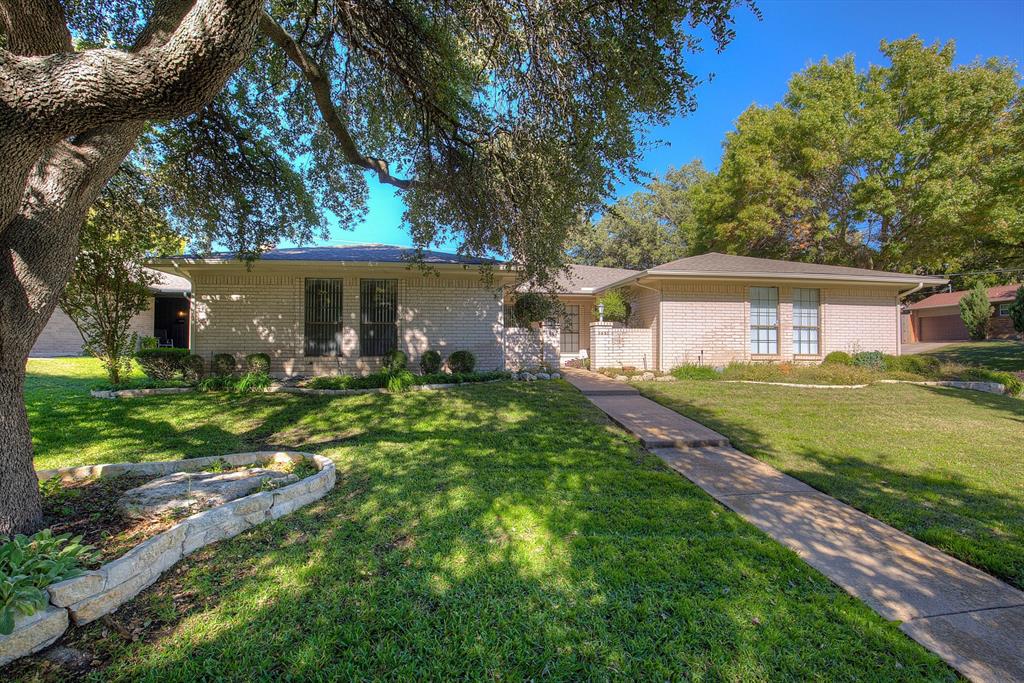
{"x": 89, "y": 509}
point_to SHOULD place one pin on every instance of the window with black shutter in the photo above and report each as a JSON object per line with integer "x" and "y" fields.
{"x": 323, "y": 317}
{"x": 378, "y": 317}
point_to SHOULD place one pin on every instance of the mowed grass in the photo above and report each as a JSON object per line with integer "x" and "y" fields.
{"x": 944, "y": 465}
{"x": 997, "y": 354}
{"x": 504, "y": 531}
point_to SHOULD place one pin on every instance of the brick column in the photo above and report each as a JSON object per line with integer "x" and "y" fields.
{"x": 600, "y": 345}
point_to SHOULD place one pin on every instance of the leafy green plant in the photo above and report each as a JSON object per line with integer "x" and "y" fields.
{"x": 193, "y": 368}
{"x": 616, "y": 306}
{"x": 217, "y": 466}
{"x": 926, "y": 366}
{"x": 966, "y": 373}
{"x": 251, "y": 382}
{"x": 531, "y": 307}
{"x": 28, "y": 564}
{"x": 399, "y": 381}
{"x": 690, "y": 371}
{"x": 394, "y": 361}
{"x": 223, "y": 364}
{"x": 869, "y": 359}
{"x": 331, "y": 382}
{"x": 976, "y": 312}
{"x": 430, "y": 362}
{"x": 161, "y": 364}
{"x": 215, "y": 383}
{"x": 1017, "y": 311}
{"x": 148, "y": 342}
{"x": 838, "y": 358}
{"x": 462, "y": 361}
{"x": 257, "y": 362}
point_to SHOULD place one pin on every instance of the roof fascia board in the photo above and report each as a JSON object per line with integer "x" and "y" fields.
{"x": 775, "y": 277}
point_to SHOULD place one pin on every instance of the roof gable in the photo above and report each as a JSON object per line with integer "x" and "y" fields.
{"x": 1000, "y": 293}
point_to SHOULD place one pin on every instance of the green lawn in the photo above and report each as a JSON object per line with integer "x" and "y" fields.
{"x": 998, "y": 355}
{"x": 944, "y": 465}
{"x": 494, "y": 531}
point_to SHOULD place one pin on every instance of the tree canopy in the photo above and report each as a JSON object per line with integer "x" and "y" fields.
{"x": 917, "y": 164}
{"x": 649, "y": 227}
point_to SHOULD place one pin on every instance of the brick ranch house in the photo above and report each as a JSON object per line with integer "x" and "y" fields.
{"x": 166, "y": 318}
{"x": 337, "y": 310}
{"x": 937, "y": 318}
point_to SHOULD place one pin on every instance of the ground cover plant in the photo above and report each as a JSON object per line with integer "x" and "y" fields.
{"x": 503, "y": 530}
{"x": 941, "y": 464}
{"x": 397, "y": 382}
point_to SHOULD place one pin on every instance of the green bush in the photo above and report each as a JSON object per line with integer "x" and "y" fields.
{"x": 869, "y": 359}
{"x": 223, "y": 364}
{"x": 257, "y": 362}
{"x": 976, "y": 312}
{"x": 161, "y": 364}
{"x": 838, "y": 358}
{"x": 148, "y": 342}
{"x": 430, "y": 362}
{"x": 193, "y": 368}
{"x": 1014, "y": 384}
{"x": 616, "y": 307}
{"x": 461, "y": 361}
{"x": 28, "y": 564}
{"x": 691, "y": 371}
{"x": 1017, "y": 311}
{"x": 394, "y": 361}
{"x": 926, "y": 366}
{"x": 398, "y": 381}
{"x": 532, "y": 307}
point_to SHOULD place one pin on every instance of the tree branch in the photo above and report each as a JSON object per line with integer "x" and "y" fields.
{"x": 320, "y": 83}
{"x": 34, "y": 27}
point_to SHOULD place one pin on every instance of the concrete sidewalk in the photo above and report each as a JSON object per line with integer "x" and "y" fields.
{"x": 972, "y": 620}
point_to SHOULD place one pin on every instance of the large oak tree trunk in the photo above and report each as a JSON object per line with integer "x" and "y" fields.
{"x": 67, "y": 121}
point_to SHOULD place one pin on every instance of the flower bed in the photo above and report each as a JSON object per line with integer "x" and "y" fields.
{"x": 95, "y": 593}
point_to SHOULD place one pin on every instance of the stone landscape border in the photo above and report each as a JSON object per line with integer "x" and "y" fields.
{"x": 139, "y": 393}
{"x": 95, "y": 593}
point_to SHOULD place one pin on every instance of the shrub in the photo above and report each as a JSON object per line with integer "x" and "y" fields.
{"x": 161, "y": 364}
{"x": 461, "y": 361}
{"x": 223, "y": 364}
{"x": 148, "y": 343}
{"x": 399, "y": 381}
{"x": 1014, "y": 384}
{"x": 531, "y": 307}
{"x": 28, "y": 564}
{"x": 926, "y": 366}
{"x": 976, "y": 312}
{"x": 430, "y": 362}
{"x": 869, "y": 359}
{"x": 331, "y": 382}
{"x": 1017, "y": 311}
{"x": 257, "y": 362}
{"x": 251, "y": 381}
{"x": 394, "y": 361}
{"x": 193, "y": 368}
{"x": 838, "y": 358}
{"x": 691, "y": 371}
{"x": 215, "y": 383}
{"x": 616, "y": 306}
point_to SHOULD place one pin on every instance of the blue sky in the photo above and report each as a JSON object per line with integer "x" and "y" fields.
{"x": 756, "y": 67}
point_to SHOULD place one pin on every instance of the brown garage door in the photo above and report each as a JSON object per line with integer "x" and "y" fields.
{"x": 943, "y": 328}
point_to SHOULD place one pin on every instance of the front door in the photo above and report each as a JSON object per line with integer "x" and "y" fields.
{"x": 170, "y": 321}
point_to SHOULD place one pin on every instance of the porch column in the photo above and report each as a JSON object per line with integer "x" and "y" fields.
{"x": 600, "y": 345}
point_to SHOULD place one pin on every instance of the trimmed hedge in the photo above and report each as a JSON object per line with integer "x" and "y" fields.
{"x": 461, "y": 361}
{"x": 257, "y": 362}
{"x": 161, "y": 364}
{"x": 838, "y": 358}
{"x": 193, "y": 368}
{"x": 223, "y": 364}
{"x": 430, "y": 362}
{"x": 394, "y": 361}
{"x": 402, "y": 380}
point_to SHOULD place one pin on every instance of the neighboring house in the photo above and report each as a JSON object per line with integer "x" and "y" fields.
{"x": 166, "y": 317}
{"x": 339, "y": 309}
{"x": 937, "y": 317}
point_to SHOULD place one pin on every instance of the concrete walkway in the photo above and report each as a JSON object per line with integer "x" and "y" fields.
{"x": 972, "y": 620}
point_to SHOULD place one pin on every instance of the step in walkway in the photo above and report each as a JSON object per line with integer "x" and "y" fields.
{"x": 972, "y": 620}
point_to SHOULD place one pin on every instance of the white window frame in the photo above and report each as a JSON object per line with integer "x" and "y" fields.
{"x": 801, "y": 324}
{"x": 764, "y": 323}
{"x": 1004, "y": 310}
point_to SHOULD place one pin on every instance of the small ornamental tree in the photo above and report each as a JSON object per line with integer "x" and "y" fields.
{"x": 976, "y": 312}
{"x": 616, "y": 307}
{"x": 109, "y": 285}
{"x": 1017, "y": 311}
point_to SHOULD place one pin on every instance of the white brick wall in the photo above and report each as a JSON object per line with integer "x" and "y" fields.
{"x": 248, "y": 312}
{"x": 527, "y": 347}
{"x": 60, "y": 337}
{"x": 614, "y": 347}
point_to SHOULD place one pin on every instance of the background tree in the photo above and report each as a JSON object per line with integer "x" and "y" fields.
{"x": 109, "y": 285}
{"x": 501, "y": 122}
{"x": 1017, "y": 311}
{"x": 616, "y": 306}
{"x": 645, "y": 229}
{"x": 976, "y": 312}
{"x": 914, "y": 164}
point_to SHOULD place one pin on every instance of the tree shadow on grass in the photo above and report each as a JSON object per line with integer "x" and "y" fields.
{"x": 507, "y": 531}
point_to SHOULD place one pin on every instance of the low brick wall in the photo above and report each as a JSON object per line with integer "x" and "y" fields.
{"x": 528, "y": 347}
{"x": 615, "y": 347}
{"x": 96, "y": 593}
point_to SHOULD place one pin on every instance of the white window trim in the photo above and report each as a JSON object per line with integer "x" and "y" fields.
{"x": 795, "y": 327}
{"x": 751, "y": 326}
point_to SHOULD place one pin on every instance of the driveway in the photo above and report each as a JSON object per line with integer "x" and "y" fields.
{"x": 925, "y": 347}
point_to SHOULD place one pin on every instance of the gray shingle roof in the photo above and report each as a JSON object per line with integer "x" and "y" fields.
{"x": 714, "y": 262}
{"x": 377, "y": 253}
{"x": 584, "y": 279}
